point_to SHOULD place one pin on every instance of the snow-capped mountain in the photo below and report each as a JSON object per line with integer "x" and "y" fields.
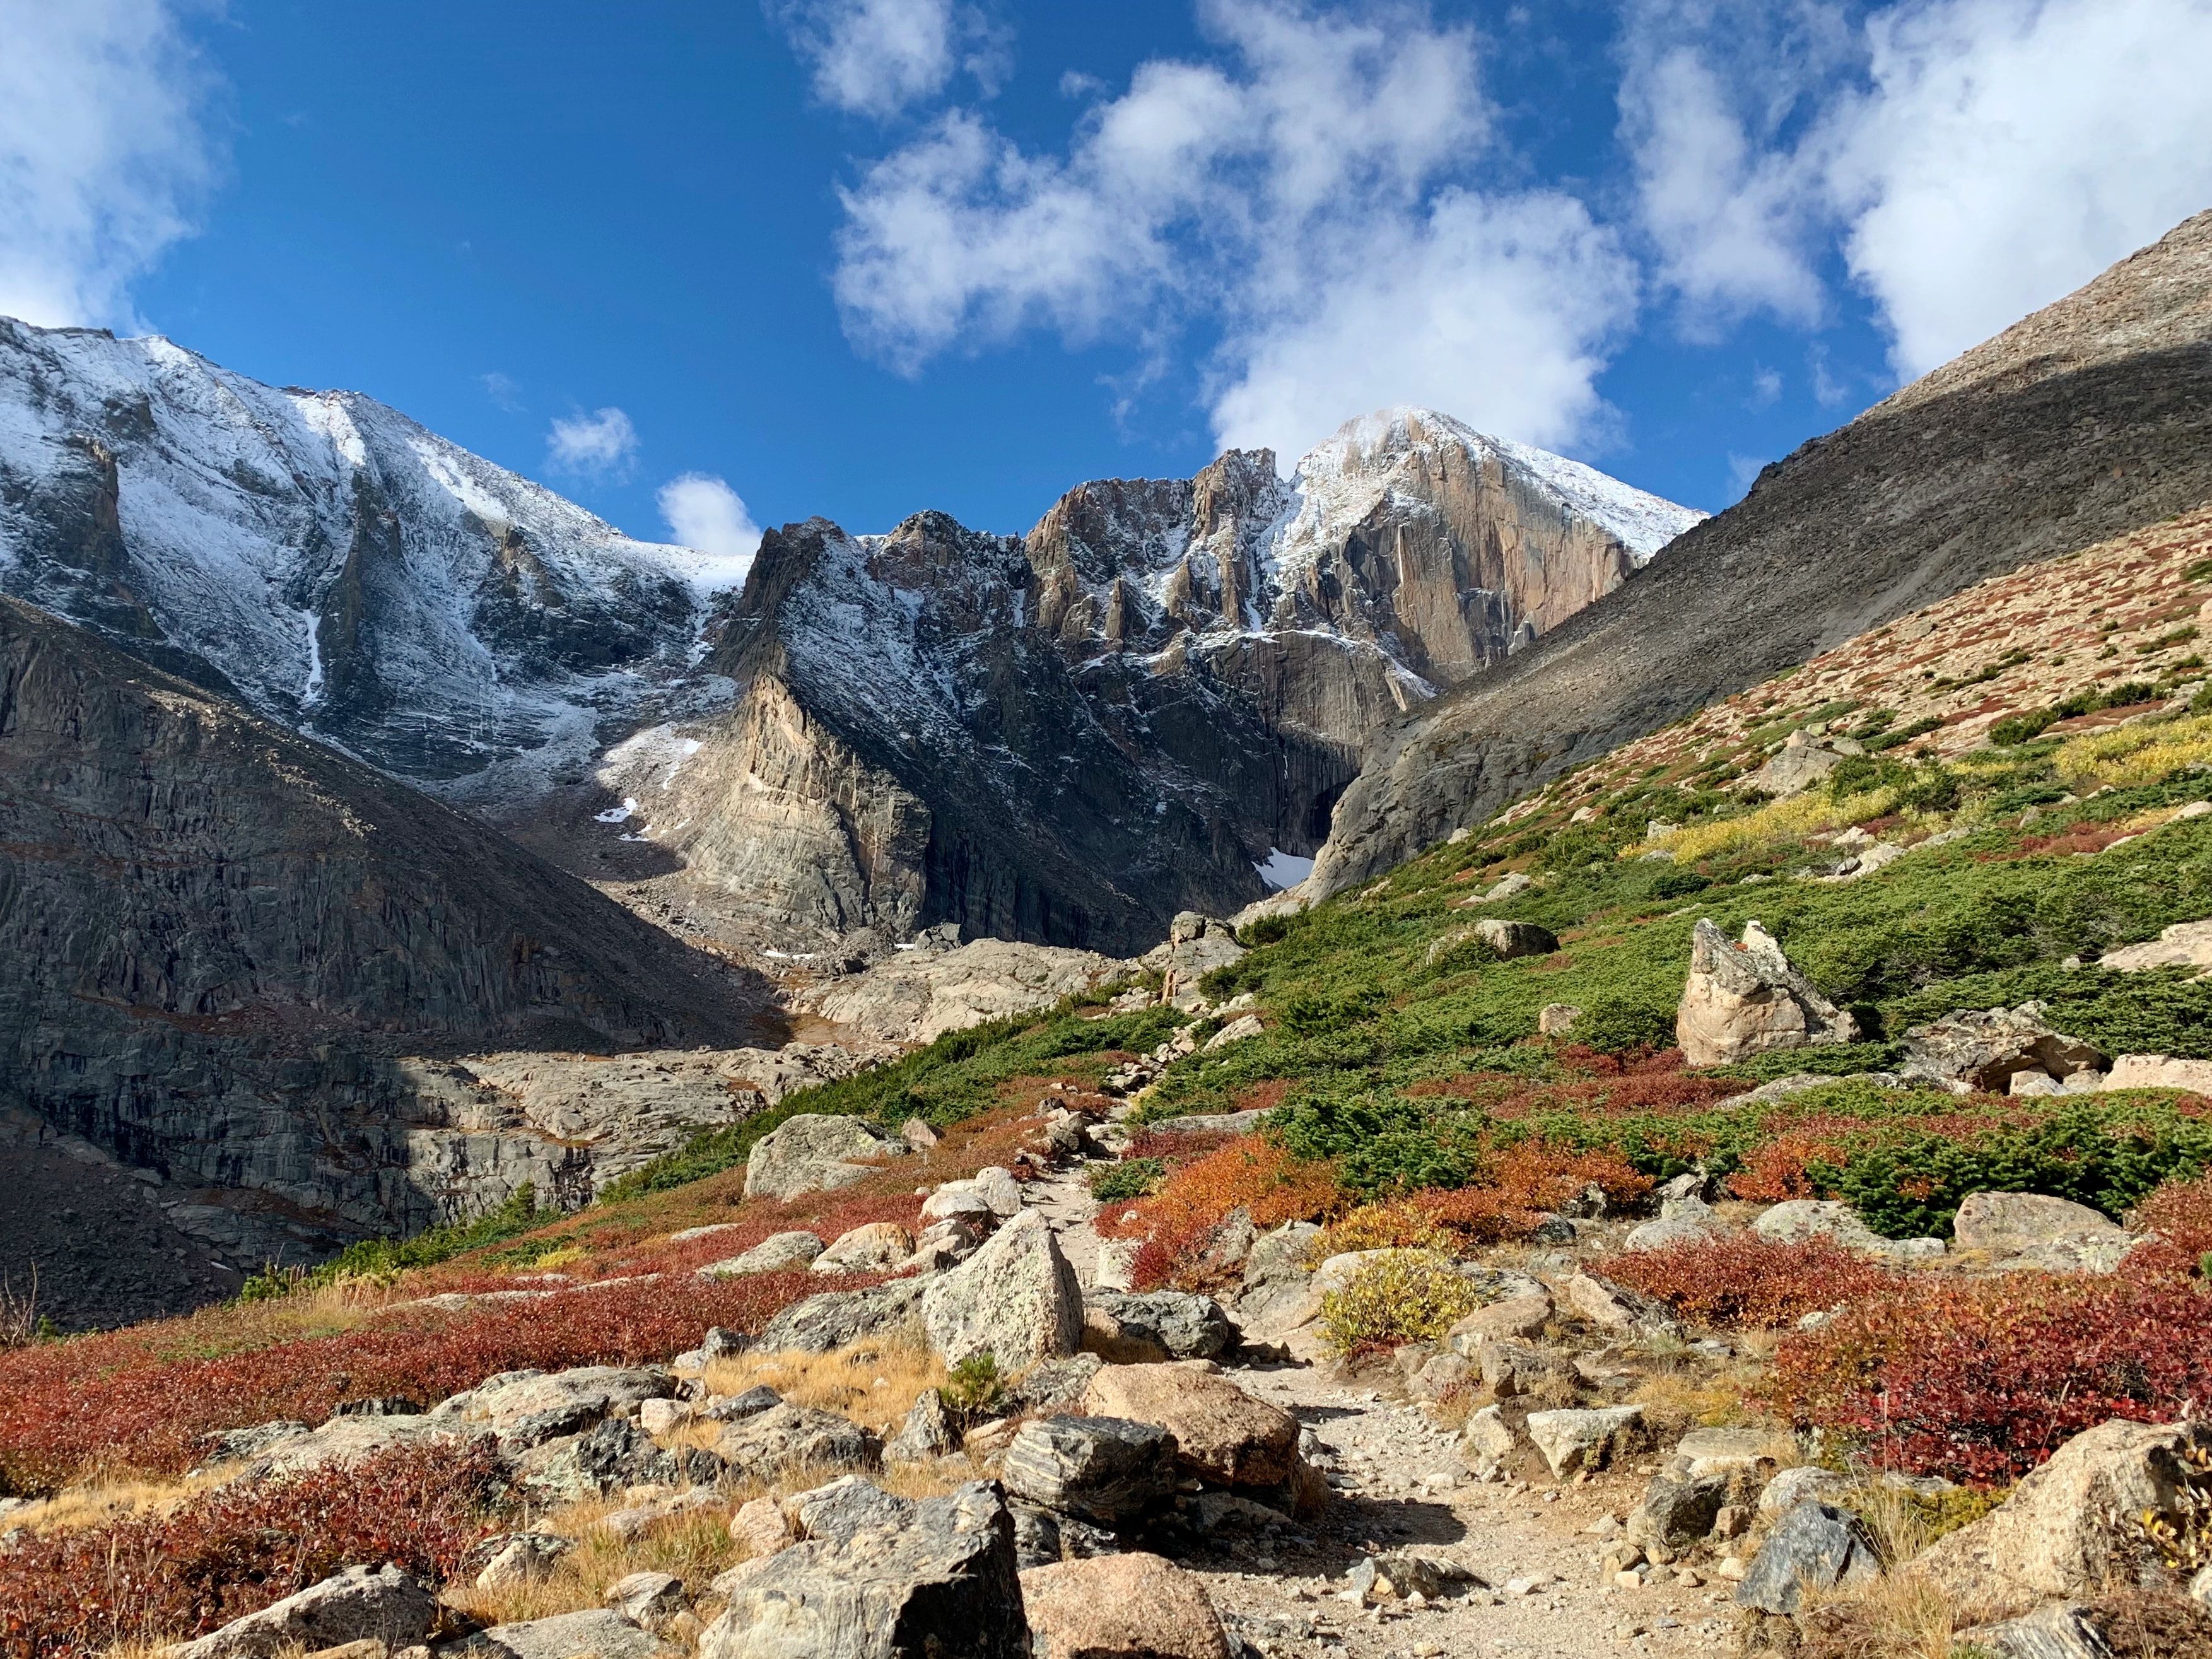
{"x": 1149, "y": 703}
{"x": 328, "y": 560}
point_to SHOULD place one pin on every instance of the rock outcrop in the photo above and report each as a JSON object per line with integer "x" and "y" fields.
{"x": 2090, "y": 418}
{"x": 1746, "y": 999}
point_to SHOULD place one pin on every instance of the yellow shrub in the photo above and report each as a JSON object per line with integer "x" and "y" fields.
{"x": 1780, "y": 820}
{"x": 1409, "y": 1296}
{"x": 1379, "y": 1227}
{"x": 2142, "y": 752}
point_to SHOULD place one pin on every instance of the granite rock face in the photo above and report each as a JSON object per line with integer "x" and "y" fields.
{"x": 1068, "y": 738}
{"x": 249, "y": 964}
{"x": 2090, "y": 418}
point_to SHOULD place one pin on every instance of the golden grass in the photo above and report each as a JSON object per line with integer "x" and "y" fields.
{"x": 97, "y": 1502}
{"x": 1781, "y": 820}
{"x": 695, "y": 1545}
{"x": 874, "y": 1383}
{"x": 2141, "y": 752}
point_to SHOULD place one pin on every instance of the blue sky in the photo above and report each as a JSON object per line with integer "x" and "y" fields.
{"x": 863, "y": 256}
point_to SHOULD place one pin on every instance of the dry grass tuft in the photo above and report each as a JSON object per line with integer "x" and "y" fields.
{"x": 874, "y": 1383}
{"x": 95, "y": 1503}
{"x": 695, "y": 1545}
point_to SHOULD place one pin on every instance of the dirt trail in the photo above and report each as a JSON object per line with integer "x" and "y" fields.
{"x": 1400, "y": 1482}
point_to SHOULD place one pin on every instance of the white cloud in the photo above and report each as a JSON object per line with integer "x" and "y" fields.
{"x": 877, "y": 57}
{"x": 2007, "y": 151}
{"x": 599, "y": 445}
{"x": 104, "y": 154}
{"x": 1307, "y": 194}
{"x": 1969, "y": 161}
{"x": 502, "y": 390}
{"x": 704, "y": 514}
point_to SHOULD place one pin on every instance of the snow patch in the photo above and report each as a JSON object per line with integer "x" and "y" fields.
{"x": 616, "y": 814}
{"x": 1284, "y": 869}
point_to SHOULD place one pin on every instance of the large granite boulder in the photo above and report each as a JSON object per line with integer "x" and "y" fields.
{"x": 614, "y": 1453}
{"x": 1814, "y": 1547}
{"x": 837, "y": 1319}
{"x": 1134, "y": 1606}
{"x": 598, "y": 1633}
{"x": 776, "y": 1253}
{"x": 1798, "y": 1219}
{"x": 382, "y": 1604}
{"x": 1746, "y": 999}
{"x": 1987, "y": 1049}
{"x": 919, "y": 994}
{"x": 941, "y": 1581}
{"x": 1570, "y": 1441}
{"x": 1015, "y": 1299}
{"x": 877, "y": 1247}
{"x": 2033, "y": 1230}
{"x": 1221, "y": 1433}
{"x": 2055, "y": 1534}
{"x": 785, "y": 1436}
{"x": 816, "y": 1153}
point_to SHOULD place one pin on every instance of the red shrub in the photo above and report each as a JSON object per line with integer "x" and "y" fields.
{"x": 1257, "y": 1173}
{"x": 1522, "y": 1183}
{"x": 121, "y": 1402}
{"x": 1982, "y": 1381}
{"x": 235, "y": 1550}
{"x": 2180, "y": 1213}
{"x": 1744, "y": 1280}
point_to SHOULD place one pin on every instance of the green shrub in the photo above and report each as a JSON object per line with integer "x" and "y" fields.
{"x": 1131, "y": 1178}
{"x": 1408, "y": 1296}
{"x": 381, "y": 1257}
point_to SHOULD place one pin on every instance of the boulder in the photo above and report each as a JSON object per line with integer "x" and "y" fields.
{"x": 1616, "y": 1308}
{"x": 1395, "y": 1575}
{"x": 2159, "y": 1071}
{"x": 816, "y": 1152}
{"x": 1278, "y": 1256}
{"x": 1124, "y": 1328}
{"x": 600, "y": 1633}
{"x": 2052, "y": 1536}
{"x": 2184, "y": 945}
{"x": 941, "y": 1582}
{"x": 1573, "y": 1440}
{"x": 1806, "y": 1483}
{"x": 1746, "y": 999}
{"x": 1800, "y": 764}
{"x": 1105, "y": 1469}
{"x": 736, "y": 1408}
{"x": 2061, "y": 1630}
{"x": 1814, "y": 1547}
{"x": 1510, "y": 886}
{"x": 507, "y": 1398}
{"x": 1508, "y": 939}
{"x": 837, "y": 1319}
{"x": 1800, "y": 1218}
{"x": 1680, "y": 1221}
{"x": 877, "y": 1247}
{"x": 787, "y": 1437}
{"x": 842, "y": 1510}
{"x": 1729, "y": 1451}
{"x": 924, "y": 1436}
{"x": 1237, "y": 1030}
{"x": 1556, "y": 1019}
{"x": 517, "y": 1558}
{"x": 361, "y": 1603}
{"x": 647, "y": 1598}
{"x": 348, "y": 1439}
{"x": 1054, "y": 1388}
{"x": 1678, "y": 1508}
{"x": 1514, "y": 1317}
{"x": 759, "y": 1527}
{"x": 1522, "y": 1370}
{"x": 1984, "y": 1048}
{"x": 2032, "y": 1230}
{"x": 1120, "y": 1607}
{"x": 1015, "y": 1299}
{"x": 1221, "y": 1433}
{"x": 778, "y": 1253}
{"x": 614, "y": 1454}
{"x": 1490, "y": 1439}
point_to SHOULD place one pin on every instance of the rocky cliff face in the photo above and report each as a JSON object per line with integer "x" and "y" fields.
{"x": 240, "y": 960}
{"x": 330, "y": 562}
{"x": 1139, "y": 708}
{"x": 2089, "y": 419}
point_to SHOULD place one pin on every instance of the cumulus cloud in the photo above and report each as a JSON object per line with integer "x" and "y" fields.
{"x": 1967, "y": 161}
{"x": 1309, "y": 194}
{"x": 2006, "y": 152}
{"x": 599, "y": 445}
{"x": 705, "y": 515}
{"x": 877, "y": 57}
{"x": 105, "y": 153}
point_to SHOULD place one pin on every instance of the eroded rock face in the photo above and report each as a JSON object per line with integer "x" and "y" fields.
{"x": 1746, "y": 999}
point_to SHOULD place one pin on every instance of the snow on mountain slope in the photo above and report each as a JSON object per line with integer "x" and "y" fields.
{"x": 330, "y": 562}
